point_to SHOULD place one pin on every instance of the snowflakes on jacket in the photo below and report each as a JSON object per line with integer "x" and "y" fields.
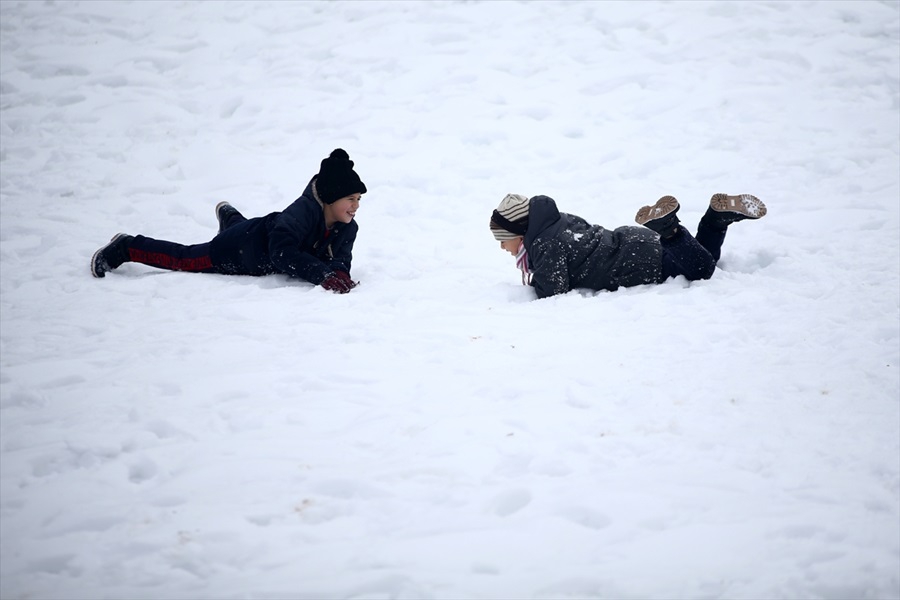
{"x": 566, "y": 252}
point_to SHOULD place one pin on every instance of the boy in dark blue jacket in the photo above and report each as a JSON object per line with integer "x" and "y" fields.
{"x": 312, "y": 239}
{"x": 559, "y": 252}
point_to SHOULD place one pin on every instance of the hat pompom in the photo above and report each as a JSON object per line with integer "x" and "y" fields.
{"x": 339, "y": 153}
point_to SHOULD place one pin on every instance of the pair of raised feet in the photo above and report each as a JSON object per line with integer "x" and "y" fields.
{"x": 113, "y": 254}
{"x": 723, "y": 210}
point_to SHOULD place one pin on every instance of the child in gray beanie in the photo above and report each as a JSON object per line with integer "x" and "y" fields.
{"x": 559, "y": 252}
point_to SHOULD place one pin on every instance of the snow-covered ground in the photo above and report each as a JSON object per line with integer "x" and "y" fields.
{"x": 436, "y": 433}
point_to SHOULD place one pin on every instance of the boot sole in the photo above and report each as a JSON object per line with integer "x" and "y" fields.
{"x": 749, "y": 207}
{"x": 663, "y": 207}
{"x": 95, "y": 270}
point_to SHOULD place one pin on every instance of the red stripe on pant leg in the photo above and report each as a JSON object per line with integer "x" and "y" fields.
{"x": 164, "y": 261}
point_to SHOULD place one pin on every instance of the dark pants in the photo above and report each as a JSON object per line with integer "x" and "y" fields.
{"x": 694, "y": 258}
{"x": 169, "y": 255}
{"x": 177, "y": 257}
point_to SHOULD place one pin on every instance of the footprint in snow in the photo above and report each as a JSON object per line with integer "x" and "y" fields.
{"x": 509, "y": 502}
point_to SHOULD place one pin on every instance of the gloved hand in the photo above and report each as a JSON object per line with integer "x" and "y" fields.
{"x": 338, "y": 282}
{"x": 345, "y": 277}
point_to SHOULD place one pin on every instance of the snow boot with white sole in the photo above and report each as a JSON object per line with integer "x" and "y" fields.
{"x": 111, "y": 256}
{"x": 224, "y": 212}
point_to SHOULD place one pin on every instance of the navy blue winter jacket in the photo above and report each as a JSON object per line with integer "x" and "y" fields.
{"x": 566, "y": 252}
{"x": 294, "y": 242}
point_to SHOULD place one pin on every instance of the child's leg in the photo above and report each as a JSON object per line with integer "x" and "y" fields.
{"x": 233, "y": 218}
{"x": 170, "y": 255}
{"x": 723, "y": 211}
{"x": 227, "y": 215}
{"x": 711, "y": 237}
{"x": 683, "y": 255}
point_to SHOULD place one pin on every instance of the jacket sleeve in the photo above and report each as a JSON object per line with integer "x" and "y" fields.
{"x": 549, "y": 271}
{"x": 287, "y": 246}
{"x": 342, "y": 248}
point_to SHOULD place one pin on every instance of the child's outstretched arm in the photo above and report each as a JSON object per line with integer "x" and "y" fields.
{"x": 286, "y": 242}
{"x": 550, "y": 273}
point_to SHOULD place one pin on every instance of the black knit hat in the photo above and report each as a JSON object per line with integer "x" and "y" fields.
{"x": 337, "y": 179}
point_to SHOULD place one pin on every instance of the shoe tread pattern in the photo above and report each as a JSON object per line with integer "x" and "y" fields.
{"x": 749, "y": 207}
{"x": 663, "y": 207}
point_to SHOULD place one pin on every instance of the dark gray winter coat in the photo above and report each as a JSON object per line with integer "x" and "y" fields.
{"x": 566, "y": 252}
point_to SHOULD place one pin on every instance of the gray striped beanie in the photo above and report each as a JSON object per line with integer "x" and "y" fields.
{"x": 510, "y": 220}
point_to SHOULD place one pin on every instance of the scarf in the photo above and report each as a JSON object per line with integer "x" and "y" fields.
{"x": 522, "y": 263}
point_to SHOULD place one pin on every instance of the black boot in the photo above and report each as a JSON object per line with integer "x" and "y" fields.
{"x": 224, "y": 212}
{"x": 112, "y": 255}
{"x": 724, "y": 210}
{"x": 662, "y": 217}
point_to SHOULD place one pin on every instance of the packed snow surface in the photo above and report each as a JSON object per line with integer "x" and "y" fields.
{"x": 438, "y": 433}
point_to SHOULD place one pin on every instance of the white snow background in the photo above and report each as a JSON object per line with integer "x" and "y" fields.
{"x": 436, "y": 433}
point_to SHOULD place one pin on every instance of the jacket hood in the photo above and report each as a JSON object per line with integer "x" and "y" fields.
{"x": 542, "y": 215}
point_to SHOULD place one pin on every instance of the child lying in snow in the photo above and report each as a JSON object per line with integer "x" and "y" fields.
{"x": 311, "y": 239}
{"x": 558, "y": 252}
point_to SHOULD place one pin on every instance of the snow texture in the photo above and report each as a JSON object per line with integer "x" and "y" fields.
{"x": 437, "y": 433}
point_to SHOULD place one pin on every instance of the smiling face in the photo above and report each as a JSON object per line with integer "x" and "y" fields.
{"x": 342, "y": 210}
{"x": 512, "y": 246}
